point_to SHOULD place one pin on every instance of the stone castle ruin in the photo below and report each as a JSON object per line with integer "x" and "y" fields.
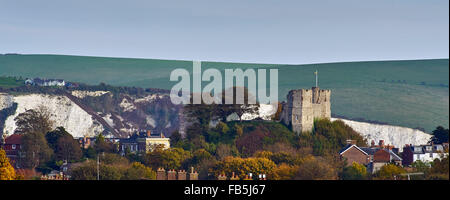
{"x": 305, "y": 105}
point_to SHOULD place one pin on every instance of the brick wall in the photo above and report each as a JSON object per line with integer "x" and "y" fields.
{"x": 355, "y": 155}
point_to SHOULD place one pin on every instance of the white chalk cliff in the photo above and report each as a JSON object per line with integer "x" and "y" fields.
{"x": 63, "y": 111}
{"x": 394, "y": 135}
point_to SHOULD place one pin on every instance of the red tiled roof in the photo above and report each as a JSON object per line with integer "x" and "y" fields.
{"x": 381, "y": 156}
{"x": 14, "y": 139}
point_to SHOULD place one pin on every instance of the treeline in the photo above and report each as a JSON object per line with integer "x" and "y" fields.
{"x": 57, "y": 90}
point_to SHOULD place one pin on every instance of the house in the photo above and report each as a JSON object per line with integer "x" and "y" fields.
{"x": 425, "y": 153}
{"x": 12, "y": 145}
{"x": 85, "y": 142}
{"x": 373, "y": 157}
{"x": 143, "y": 142}
{"x": 353, "y": 153}
{"x": 384, "y": 156}
{"x": 45, "y": 82}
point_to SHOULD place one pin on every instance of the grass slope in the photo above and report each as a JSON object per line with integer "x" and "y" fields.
{"x": 412, "y": 93}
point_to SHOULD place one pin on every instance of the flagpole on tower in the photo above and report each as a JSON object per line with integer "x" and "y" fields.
{"x": 316, "y": 76}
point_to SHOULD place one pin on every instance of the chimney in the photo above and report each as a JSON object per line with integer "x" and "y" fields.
{"x": 181, "y": 175}
{"x": 149, "y": 133}
{"x": 171, "y": 175}
{"x": 161, "y": 174}
{"x": 381, "y": 143}
{"x": 193, "y": 175}
{"x": 234, "y": 177}
{"x": 349, "y": 141}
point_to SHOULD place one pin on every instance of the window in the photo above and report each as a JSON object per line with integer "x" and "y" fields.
{"x": 13, "y": 146}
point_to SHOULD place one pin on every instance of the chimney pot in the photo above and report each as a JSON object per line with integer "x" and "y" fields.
{"x": 381, "y": 143}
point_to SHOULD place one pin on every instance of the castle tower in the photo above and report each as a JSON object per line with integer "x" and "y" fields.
{"x": 305, "y": 105}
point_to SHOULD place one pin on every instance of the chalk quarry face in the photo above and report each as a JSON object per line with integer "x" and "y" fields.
{"x": 129, "y": 114}
{"x": 63, "y": 111}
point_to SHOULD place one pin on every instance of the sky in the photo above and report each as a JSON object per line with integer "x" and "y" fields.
{"x": 254, "y": 31}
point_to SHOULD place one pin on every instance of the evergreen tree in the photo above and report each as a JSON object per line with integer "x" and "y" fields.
{"x": 440, "y": 135}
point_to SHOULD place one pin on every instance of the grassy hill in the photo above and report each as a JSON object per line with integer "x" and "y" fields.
{"x": 413, "y": 93}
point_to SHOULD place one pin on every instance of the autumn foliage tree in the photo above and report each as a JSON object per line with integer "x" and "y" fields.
{"x": 6, "y": 170}
{"x": 316, "y": 168}
{"x": 172, "y": 158}
{"x": 389, "y": 172}
{"x": 284, "y": 172}
{"x": 243, "y": 166}
{"x": 138, "y": 171}
{"x": 354, "y": 172}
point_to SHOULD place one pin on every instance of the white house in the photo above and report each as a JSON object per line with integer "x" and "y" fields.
{"x": 427, "y": 153}
{"x": 45, "y": 82}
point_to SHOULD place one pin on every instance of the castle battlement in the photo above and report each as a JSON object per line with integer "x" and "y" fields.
{"x": 305, "y": 105}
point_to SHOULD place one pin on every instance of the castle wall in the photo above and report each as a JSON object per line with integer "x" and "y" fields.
{"x": 305, "y": 105}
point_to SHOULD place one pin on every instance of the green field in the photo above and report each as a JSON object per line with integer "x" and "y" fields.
{"x": 10, "y": 82}
{"x": 412, "y": 93}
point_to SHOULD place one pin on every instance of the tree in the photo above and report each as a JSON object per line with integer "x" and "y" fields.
{"x": 110, "y": 172}
{"x": 355, "y": 172}
{"x": 315, "y": 168}
{"x": 224, "y": 150}
{"x": 225, "y": 110}
{"x": 35, "y": 150}
{"x": 87, "y": 171}
{"x": 35, "y": 120}
{"x": 243, "y": 166}
{"x": 389, "y": 172}
{"x": 172, "y": 158}
{"x": 252, "y": 141}
{"x": 420, "y": 166}
{"x": 90, "y": 152}
{"x": 440, "y": 135}
{"x": 53, "y": 136}
{"x": 330, "y": 137}
{"x": 222, "y": 128}
{"x": 68, "y": 149}
{"x": 139, "y": 171}
{"x": 200, "y": 155}
{"x": 34, "y": 124}
{"x": 238, "y": 129}
{"x": 6, "y": 170}
{"x": 63, "y": 144}
{"x": 440, "y": 169}
{"x": 283, "y": 172}
{"x": 101, "y": 145}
